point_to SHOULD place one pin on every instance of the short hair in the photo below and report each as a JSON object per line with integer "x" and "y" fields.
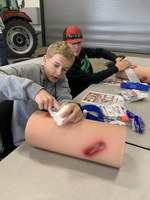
{"x": 62, "y": 48}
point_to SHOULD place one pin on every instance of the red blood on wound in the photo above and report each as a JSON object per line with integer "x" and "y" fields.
{"x": 94, "y": 149}
{"x": 47, "y": 114}
{"x": 143, "y": 79}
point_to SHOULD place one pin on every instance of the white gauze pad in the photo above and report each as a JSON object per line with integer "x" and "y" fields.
{"x": 57, "y": 115}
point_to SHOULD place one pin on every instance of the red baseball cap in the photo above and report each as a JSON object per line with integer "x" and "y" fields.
{"x": 73, "y": 34}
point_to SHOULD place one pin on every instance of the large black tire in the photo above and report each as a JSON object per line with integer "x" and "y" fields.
{"x": 20, "y": 39}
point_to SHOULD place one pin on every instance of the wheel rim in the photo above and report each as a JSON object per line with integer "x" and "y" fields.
{"x": 19, "y": 40}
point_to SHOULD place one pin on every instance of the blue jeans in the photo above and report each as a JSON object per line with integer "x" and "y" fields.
{"x": 3, "y": 56}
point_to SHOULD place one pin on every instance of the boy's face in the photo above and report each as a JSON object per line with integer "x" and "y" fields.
{"x": 56, "y": 67}
{"x": 76, "y": 48}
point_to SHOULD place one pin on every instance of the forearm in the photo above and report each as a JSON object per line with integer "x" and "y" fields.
{"x": 100, "y": 76}
{"x": 12, "y": 88}
{"x": 108, "y": 55}
{"x": 100, "y": 53}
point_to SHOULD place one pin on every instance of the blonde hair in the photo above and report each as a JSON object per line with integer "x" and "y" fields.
{"x": 62, "y": 48}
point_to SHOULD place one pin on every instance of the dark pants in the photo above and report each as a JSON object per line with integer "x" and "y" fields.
{"x": 6, "y": 108}
{"x": 3, "y": 56}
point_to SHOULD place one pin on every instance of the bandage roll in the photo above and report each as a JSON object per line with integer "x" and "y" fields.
{"x": 90, "y": 140}
{"x": 143, "y": 73}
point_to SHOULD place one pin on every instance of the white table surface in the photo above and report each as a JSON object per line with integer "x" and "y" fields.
{"x": 139, "y": 61}
{"x": 32, "y": 174}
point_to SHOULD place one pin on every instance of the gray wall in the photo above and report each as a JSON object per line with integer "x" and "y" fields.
{"x": 113, "y": 24}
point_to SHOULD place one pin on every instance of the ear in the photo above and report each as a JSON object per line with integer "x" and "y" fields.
{"x": 44, "y": 60}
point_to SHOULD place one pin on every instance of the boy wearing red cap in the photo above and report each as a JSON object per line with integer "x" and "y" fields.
{"x": 81, "y": 74}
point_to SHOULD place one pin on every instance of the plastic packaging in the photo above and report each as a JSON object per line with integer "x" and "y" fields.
{"x": 136, "y": 122}
{"x": 133, "y": 95}
{"x": 134, "y": 85}
{"x": 132, "y": 76}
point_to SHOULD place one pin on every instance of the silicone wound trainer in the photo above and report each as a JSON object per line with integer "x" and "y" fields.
{"x": 94, "y": 149}
{"x": 88, "y": 139}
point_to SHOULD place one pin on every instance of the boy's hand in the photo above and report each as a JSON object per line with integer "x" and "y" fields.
{"x": 71, "y": 112}
{"x": 119, "y": 59}
{"x": 46, "y": 101}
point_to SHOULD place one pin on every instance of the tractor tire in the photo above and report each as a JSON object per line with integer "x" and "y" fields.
{"x": 20, "y": 38}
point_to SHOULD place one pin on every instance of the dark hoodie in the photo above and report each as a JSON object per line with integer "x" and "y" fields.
{"x": 81, "y": 75}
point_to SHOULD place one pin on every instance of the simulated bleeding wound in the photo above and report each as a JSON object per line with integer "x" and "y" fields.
{"x": 94, "y": 149}
{"x": 143, "y": 79}
{"x": 47, "y": 114}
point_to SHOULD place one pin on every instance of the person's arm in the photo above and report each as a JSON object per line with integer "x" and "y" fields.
{"x": 106, "y": 54}
{"x": 100, "y": 53}
{"x": 14, "y": 87}
{"x": 23, "y": 82}
{"x": 73, "y": 111}
{"x": 100, "y": 76}
{"x": 70, "y": 112}
{"x": 121, "y": 65}
{"x": 76, "y": 76}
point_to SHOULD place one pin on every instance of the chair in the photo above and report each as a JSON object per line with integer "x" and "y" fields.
{"x": 5, "y": 128}
{"x": 6, "y": 108}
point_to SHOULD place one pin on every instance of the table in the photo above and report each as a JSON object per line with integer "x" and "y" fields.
{"x": 139, "y": 61}
{"x": 32, "y": 174}
{"x": 140, "y": 108}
